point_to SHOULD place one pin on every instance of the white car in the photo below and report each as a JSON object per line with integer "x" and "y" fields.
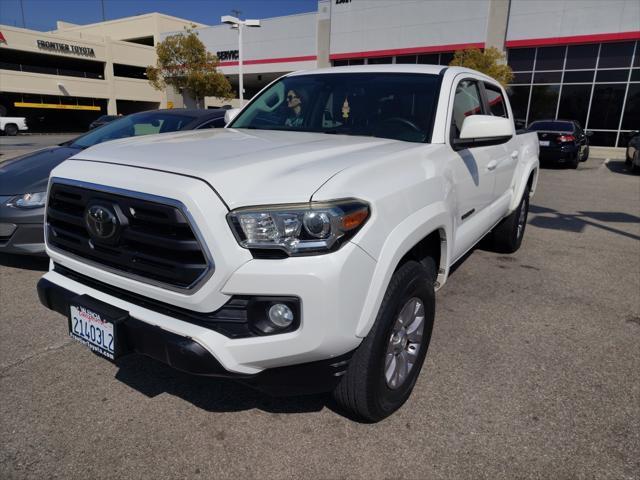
{"x": 12, "y": 125}
{"x": 299, "y": 249}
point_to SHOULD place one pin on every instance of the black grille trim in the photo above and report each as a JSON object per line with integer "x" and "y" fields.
{"x": 158, "y": 243}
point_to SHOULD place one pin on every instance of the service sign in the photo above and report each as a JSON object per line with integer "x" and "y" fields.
{"x": 226, "y": 55}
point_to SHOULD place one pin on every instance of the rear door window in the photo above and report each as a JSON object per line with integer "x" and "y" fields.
{"x": 495, "y": 101}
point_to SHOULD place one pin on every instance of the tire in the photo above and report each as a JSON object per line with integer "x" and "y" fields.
{"x": 634, "y": 168}
{"x": 365, "y": 393}
{"x": 574, "y": 161}
{"x": 11, "y": 130}
{"x": 507, "y": 236}
{"x": 585, "y": 155}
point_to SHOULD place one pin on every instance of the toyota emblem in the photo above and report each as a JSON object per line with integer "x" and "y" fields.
{"x": 101, "y": 222}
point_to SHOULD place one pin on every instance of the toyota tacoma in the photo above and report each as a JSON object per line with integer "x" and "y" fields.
{"x": 299, "y": 249}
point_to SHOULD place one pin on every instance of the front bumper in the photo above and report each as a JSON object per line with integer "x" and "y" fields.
{"x": 21, "y": 231}
{"x": 185, "y": 354}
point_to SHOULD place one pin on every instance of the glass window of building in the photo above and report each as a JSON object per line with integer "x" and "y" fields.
{"x": 445, "y": 58}
{"x": 631, "y": 116}
{"x": 616, "y": 55}
{"x": 574, "y": 103}
{"x": 432, "y": 59}
{"x": 550, "y": 58}
{"x": 606, "y": 106}
{"x": 582, "y": 56}
{"x": 521, "y": 59}
{"x": 544, "y": 102}
{"x": 380, "y": 60}
{"x": 406, "y": 59}
{"x": 519, "y": 99}
{"x": 587, "y": 83}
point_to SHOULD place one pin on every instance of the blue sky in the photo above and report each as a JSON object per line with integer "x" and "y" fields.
{"x": 42, "y": 14}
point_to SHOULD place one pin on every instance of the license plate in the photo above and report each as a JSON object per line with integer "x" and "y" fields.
{"x": 544, "y": 143}
{"x": 93, "y": 330}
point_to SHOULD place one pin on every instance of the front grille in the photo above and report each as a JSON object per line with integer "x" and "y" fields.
{"x": 155, "y": 242}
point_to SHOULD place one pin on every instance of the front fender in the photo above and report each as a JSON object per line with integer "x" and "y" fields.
{"x": 402, "y": 238}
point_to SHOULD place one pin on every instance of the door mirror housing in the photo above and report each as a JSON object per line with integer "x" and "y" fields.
{"x": 588, "y": 133}
{"x": 231, "y": 114}
{"x": 483, "y": 130}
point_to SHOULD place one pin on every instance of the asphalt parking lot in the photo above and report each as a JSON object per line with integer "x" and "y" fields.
{"x": 11, "y": 147}
{"x": 533, "y": 372}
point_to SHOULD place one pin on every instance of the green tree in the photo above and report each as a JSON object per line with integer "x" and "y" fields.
{"x": 491, "y": 62}
{"x": 185, "y": 64}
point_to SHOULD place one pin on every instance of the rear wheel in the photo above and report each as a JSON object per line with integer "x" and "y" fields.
{"x": 635, "y": 163}
{"x": 585, "y": 154}
{"x": 507, "y": 236}
{"x": 384, "y": 369}
{"x": 574, "y": 161}
{"x": 11, "y": 130}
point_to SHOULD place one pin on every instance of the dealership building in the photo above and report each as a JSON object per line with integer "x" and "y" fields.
{"x": 576, "y": 59}
{"x": 64, "y": 79}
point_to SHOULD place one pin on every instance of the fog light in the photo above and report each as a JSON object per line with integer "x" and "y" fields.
{"x": 280, "y": 315}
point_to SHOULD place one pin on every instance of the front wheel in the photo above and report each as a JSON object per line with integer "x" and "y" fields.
{"x": 385, "y": 367}
{"x": 507, "y": 236}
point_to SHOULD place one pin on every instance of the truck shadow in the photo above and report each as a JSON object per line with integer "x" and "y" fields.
{"x": 549, "y": 218}
{"x": 26, "y": 262}
{"x": 152, "y": 378}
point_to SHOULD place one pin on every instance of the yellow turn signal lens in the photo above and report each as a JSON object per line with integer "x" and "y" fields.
{"x": 355, "y": 219}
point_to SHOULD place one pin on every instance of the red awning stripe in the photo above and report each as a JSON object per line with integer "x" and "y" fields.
{"x": 270, "y": 60}
{"x": 406, "y": 51}
{"x": 594, "y": 38}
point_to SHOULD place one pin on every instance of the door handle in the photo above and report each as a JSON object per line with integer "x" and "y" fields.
{"x": 492, "y": 165}
{"x": 515, "y": 154}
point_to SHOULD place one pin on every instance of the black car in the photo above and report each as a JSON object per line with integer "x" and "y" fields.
{"x": 102, "y": 120}
{"x": 561, "y": 141}
{"x": 632, "y": 157}
{"x": 24, "y": 179}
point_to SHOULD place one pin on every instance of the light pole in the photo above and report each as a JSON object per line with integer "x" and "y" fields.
{"x": 239, "y": 24}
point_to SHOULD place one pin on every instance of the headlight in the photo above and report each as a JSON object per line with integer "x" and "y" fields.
{"x": 299, "y": 229}
{"x": 28, "y": 200}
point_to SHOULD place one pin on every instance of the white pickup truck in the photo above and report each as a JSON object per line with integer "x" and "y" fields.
{"x": 10, "y": 126}
{"x": 299, "y": 249}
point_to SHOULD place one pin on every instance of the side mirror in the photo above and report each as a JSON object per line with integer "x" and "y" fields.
{"x": 483, "y": 130}
{"x": 588, "y": 133}
{"x": 231, "y": 114}
{"x": 634, "y": 133}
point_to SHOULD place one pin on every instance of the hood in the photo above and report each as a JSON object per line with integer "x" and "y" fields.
{"x": 30, "y": 173}
{"x": 249, "y": 167}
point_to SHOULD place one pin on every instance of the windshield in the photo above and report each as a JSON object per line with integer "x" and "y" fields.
{"x": 399, "y": 106}
{"x": 552, "y": 126}
{"x": 144, "y": 123}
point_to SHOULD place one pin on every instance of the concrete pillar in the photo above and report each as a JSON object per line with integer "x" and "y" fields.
{"x": 323, "y": 34}
{"x": 497, "y": 24}
{"x": 112, "y": 106}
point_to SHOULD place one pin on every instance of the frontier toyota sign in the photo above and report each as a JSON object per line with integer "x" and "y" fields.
{"x": 66, "y": 48}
